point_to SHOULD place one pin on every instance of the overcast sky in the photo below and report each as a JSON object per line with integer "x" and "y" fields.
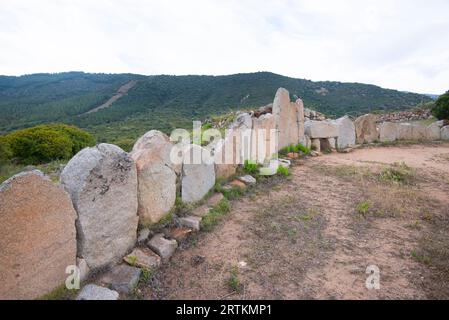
{"x": 400, "y": 44}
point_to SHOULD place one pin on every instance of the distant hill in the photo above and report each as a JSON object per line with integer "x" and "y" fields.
{"x": 165, "y": 102}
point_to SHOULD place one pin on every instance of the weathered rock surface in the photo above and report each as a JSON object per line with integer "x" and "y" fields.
{"x": 180, "y": 234}
{"x": 156, "y": 176}
{"x": 346, "y": 132}
{"x": 289, "y": 118}
{"x": 122, "y": 278}
{"x": 191, "y": 222}
{"x": 143, "y": 258}
{"x": 388, "y": 131}
{"x": 365, "y": 128}
{"x": 198, "y": 175}
{"x": 163, "y": 247}
{"x": 433, "y": 131}
{"x": 445, "y": 133}
{"x": 143, "y": 235}
{"x": 201, "y": 211}
{"x": 215, "y": 199}
{"x": 321, "y": 129}
{"x": 408, "y": 131}
{"x": 94, "y": 292}
{"x": 83, "y": 268}
{"x": 248, "y": 179}
{"x": 102, "y": 182}
{"x": 37, "y": 236}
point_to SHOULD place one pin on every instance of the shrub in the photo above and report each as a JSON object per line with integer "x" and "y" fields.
{"x": 251, "y": 167}
{"x": 45, "y": 143}
{"x": 283, "y": 171}
{"x": 5, "y": 151}
{"x": 441, "y": 108}
{"x": 397, "y": 173}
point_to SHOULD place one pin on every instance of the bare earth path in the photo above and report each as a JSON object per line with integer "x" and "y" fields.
{"x": 313, "y": 236}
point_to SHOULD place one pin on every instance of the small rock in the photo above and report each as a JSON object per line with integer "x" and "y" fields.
{"x": 215, "y": 199}
{"x": 83, "y": 267}
{"x": 94, "y": 292}
{"x": 248, "y": 179}
{"x": 201, "y": 211}
{"x": 122, "y": 278}
{"x": 192, "y": 222}
{"x": 163, "y": 247}
{"x": 285, "y": 163}
{"x": 179, "y": 234}
{"x": 293, "y": 155}
{"x": 237, "y": 183}
{"x": 143, "y": 235}
{"x": 143, "y": 258}
{"x": 242, "y": 264}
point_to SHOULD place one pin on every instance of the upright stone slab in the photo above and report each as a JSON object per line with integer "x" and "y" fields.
{"x": 346, "y": 132}
{"x": 445, "y": 133}
{"x": 433, "y": 131}
{"x": 321, "y": 129}
{"x": 264, "y": 138}
{"x": 388, "y": 131}
{"x": 156, "y": 176}
{"x": 405, "y": 131}
{"x": 198, "y": 174}
{"x": 365, "y": 128}
{"x": 102, "y": 182}
{"x": 37, "y": 236}
{"x": 419, "y": 132}
{"x": 288, "y": 117}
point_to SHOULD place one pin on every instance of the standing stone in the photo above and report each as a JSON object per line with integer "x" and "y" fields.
{"x": 365, "y": 128}
{"x": 321, "y": 129}
{"x": 316, "y": 145}
{"x": 289, "y": 118}
{"x": 37, "y": 236}
{"x": 405, "y": 131}
{"x": 263, "y": 139}
{"x": 388, "y": 131}
{"x": 445, "y": 133}
{"x": 156, "y": 177}
{"x": 346, "y": 132}
{"x": 419, "y": 132}
{"x": 433, "y": 131}
{"x": 102, "y": 182}
{"x": 198, "y": 174}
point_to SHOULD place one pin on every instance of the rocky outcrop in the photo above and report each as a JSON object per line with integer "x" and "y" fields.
{"x": 102, "y": 182}
{"x": 198, "y": 174}
{"x": 365, "y": 129}
{"x": 156, "y": 176}
{"x": 346, "y": 132}
{"x": 37, "y": 236}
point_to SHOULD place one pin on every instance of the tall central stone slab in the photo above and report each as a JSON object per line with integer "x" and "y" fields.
{"x": 289, "y": 119}
{"x": 102, "y": 182}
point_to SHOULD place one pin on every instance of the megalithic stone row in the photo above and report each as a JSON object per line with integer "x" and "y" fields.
{"x": 37, "y": 236}
{"x": 102, "y": 182}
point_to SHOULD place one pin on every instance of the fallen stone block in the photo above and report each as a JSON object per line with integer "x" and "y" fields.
{"x": 248, "y": 179}
{"x": 192, "y": 222}
{"x": 143, "y": 258}
{"x": 122, "y": 278}
{"x": 94, "y": 292}
{"x": 163, "y": 247}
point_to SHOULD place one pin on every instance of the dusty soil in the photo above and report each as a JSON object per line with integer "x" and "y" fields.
{"x": 313, "y": 235}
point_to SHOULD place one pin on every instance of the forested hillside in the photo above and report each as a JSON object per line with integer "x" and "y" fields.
{"x": 166, "y": 102}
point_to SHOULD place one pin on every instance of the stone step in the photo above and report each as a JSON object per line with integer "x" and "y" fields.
{"x": 192, "y": 222}
{"x": 143, "y": 258}
{"x": 122, "y": 278}
{"x": 94, "y": 292}
{"x": 163, "y": 247}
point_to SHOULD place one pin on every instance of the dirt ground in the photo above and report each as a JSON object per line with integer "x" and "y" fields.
{"x": 313, "y": 235}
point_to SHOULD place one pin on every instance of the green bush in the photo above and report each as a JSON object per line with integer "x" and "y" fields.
{"x": 299, "y": 148}
{"x": 283, "y": 171}
{"x": 251, "y": 167}
{"x": 441, "y": 108}
{"x": 46, "y": 143}
{"x": 5, "y": 151}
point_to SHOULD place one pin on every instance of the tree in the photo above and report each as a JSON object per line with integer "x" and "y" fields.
{"x": 5, "y": 151}
{"x": 441, "y": 109}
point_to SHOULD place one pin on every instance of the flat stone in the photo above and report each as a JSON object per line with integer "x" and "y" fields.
{"x": 321, "y": 129}
{"x": 237, "y": 184}
{"x": 143, "y": 258}
{"x": 201, "y": 211}
{"x": 94, "y": 292}
{"x": 214, "y": 199}
{"x": 180, "y": 234}
{"x": 248, "y": 179}
{"x": 163, "y": 247}
{"x": 122, "y": 278}
{"x": 192, "y": 222}
{"x": 143, "y": 235}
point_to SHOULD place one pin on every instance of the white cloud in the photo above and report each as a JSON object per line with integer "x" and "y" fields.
{"x": 401, "y": 44}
